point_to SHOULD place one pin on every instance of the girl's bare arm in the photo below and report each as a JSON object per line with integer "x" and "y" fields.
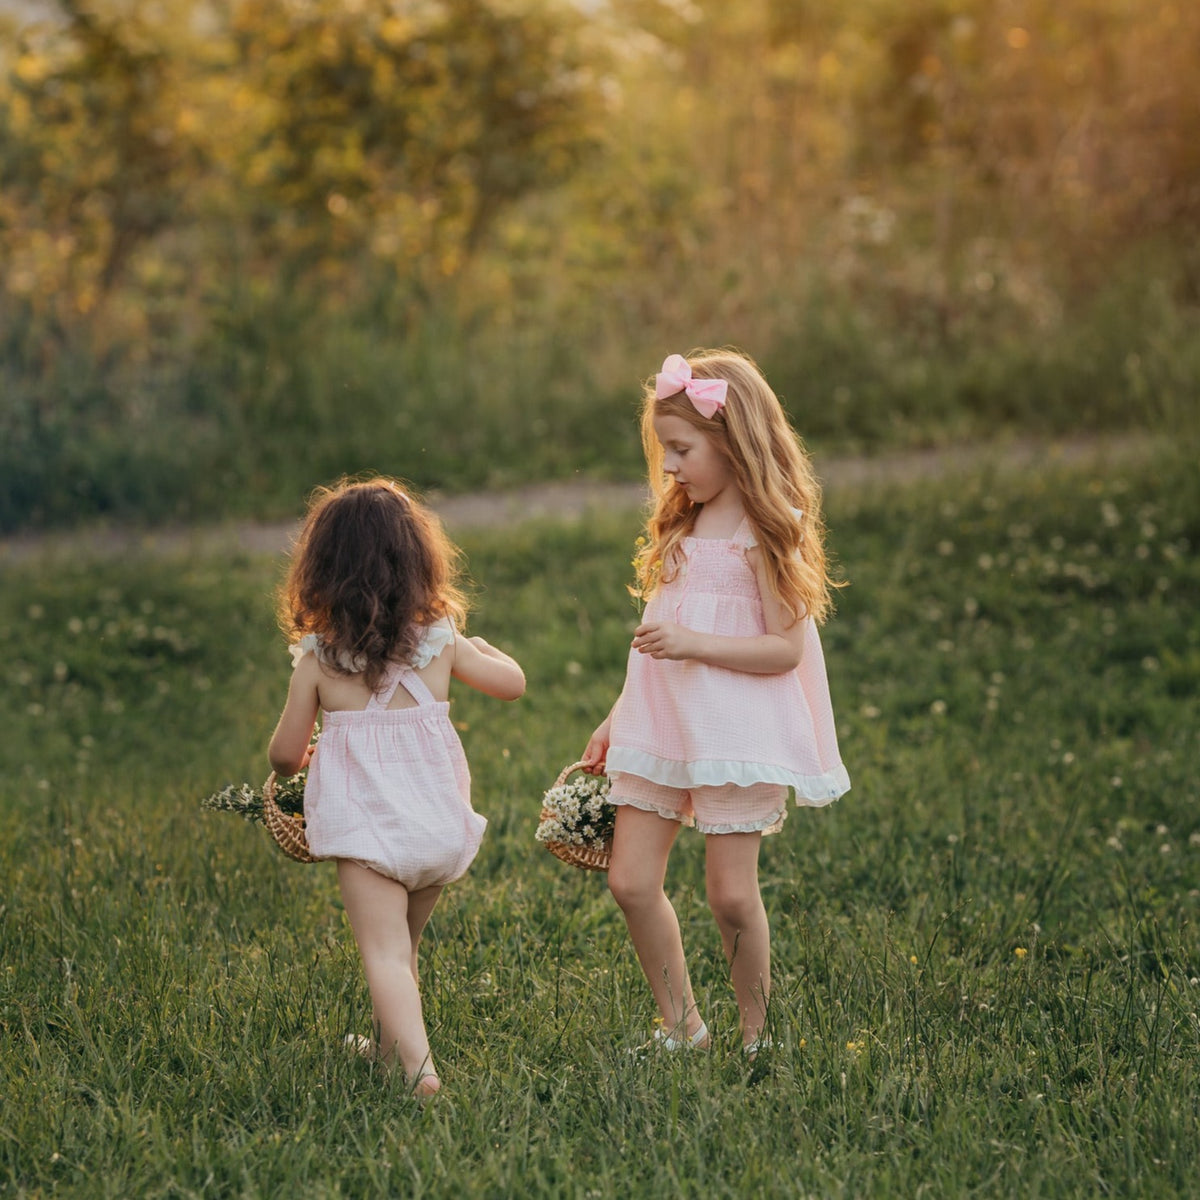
{"x": 288, "y": 751}
{"x": 487, "y": 669}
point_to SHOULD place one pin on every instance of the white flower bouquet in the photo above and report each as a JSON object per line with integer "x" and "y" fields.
{"x": 246, "y": 800}
{"x": 577, "y": 820}
{"x": 278, "y": 805}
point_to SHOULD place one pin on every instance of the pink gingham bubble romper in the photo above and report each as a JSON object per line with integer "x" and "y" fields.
{"x": 390, "y": 788}
{"x": 687, "y": 724}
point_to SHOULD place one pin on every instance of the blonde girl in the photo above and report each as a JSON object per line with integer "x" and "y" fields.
{"x": 725, "y": 705}
{"x": 375, "y": 616}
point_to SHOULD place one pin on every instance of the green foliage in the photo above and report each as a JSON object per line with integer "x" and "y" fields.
{"x": 247, "y": 246}
{"x": 985, "y": 954}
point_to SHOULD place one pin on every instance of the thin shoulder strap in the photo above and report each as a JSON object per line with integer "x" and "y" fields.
{"x": 416, "y": 686}
{"x": 397, "y": 674}
{"x": 387, "y": 687}
{"x": 743, "y": 535}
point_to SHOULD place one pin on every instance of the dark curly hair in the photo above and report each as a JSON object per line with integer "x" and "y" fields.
{"x": 370, "y": 568}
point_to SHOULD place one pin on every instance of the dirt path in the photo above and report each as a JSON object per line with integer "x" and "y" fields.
{"x": 572, "y": 499}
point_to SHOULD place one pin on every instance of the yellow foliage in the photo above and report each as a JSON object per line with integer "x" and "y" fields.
{"x": 626, "y": 142}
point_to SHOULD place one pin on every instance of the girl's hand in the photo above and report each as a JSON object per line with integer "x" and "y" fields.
{"x": 596, "y": 753}
{"x": 663, "y": 639}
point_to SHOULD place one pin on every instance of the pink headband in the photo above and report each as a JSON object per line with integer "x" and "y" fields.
{"x": 706, "y": 395}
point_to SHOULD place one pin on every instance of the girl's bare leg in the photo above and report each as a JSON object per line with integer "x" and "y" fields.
{"x": 641, "y": 845}
{"x": 420, "y": 906}
{"x": 731, "y": 872}
{"x": 379, "y": 912}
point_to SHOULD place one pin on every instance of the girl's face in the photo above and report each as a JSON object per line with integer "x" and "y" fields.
{"x": 692, "y": 459}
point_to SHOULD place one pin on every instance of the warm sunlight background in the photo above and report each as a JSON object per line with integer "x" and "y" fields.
{"x": 228, "y": 227}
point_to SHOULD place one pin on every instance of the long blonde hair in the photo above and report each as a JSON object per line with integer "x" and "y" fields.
{"x": 771, "y": 468}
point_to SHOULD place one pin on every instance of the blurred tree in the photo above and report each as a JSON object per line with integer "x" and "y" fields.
{"x": 94, "y": 160}
{"x": 402, "y": 130}
{"x": 308, "y": 136}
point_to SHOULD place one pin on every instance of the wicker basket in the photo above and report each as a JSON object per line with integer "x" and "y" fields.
{"x": 587, "y": 858}
{"x": 287, "y": 830}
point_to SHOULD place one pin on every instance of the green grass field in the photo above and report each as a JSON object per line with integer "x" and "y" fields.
{"x": 986, "y": 955}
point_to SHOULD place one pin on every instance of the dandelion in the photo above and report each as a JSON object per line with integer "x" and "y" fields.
{"x": 1020, "y": 952}
{"x": 641, "y": 588}
{"x": 912, "y": 958}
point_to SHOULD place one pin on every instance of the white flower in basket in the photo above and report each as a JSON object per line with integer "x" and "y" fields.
{"x": 278, "y": 805}
{"x": 577, "y": 820}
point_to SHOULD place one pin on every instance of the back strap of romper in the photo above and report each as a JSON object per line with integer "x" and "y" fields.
{"x": 398, "y": 673}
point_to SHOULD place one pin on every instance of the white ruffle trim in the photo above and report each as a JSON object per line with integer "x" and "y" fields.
{"x": 308, "y": 644}
{"x": 433, "y": 641}
{"x": 771, "y": 824}
{"x": 645, "y": 806}
{"x": 812, "y": 791}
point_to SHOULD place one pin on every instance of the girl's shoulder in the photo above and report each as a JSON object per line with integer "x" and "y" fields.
{"x": 746, "y": 537}
{"x": 310, "y": 643}
{"x": 431, "y": 641}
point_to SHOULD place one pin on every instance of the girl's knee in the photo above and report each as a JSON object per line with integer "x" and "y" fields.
{"x": 633, "y": 890}
{"x": 736, "y": 908}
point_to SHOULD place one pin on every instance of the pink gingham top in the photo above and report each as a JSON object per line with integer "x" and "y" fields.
{"x": 685, "y": 723}
{"x": 390, "y": 788}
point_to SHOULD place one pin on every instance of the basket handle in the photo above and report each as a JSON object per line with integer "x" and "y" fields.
{"x": 567, "y": 772}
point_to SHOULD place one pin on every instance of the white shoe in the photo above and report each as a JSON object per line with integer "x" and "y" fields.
{"x": 698, "y": 1040}
{"x": 359, "y": 1044}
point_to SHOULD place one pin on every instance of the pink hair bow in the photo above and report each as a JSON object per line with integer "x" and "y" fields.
{"x": 706, "y": 395}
